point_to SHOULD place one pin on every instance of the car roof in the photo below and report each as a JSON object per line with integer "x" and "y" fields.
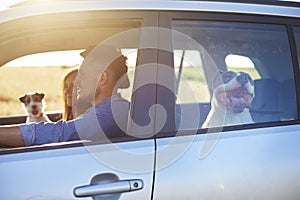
{"x": 268, "y": 2}
{"x": 20, "y": 24}
{"x": 267, "y": 7}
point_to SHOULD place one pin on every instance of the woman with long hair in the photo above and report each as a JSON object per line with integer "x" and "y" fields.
{"x": 67, "y": 90}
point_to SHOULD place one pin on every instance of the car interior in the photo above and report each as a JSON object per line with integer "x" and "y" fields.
{"x": 215, "y": 42}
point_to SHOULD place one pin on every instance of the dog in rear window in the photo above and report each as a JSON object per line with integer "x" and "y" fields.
{"x": 34, "y": 105}
{"x": 232, "y": 97}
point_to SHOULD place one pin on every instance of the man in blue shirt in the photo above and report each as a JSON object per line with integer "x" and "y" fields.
{"x": 99, "y": 76}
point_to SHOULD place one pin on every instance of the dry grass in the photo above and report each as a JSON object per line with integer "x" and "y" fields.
{"x": 15, "y": 81}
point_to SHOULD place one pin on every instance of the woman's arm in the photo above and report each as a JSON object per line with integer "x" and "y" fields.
{"x": 11, "y": 135}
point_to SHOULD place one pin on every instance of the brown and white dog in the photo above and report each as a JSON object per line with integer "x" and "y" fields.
{"x": 34, "y": 105}
{"x": 232, "y": 97}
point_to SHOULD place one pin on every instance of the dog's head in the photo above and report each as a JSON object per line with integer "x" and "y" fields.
{"x": 234, "y": 90}
{"x": 33, "y": 102}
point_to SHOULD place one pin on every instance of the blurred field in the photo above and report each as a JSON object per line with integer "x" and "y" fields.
{"x": 15, "y": 81}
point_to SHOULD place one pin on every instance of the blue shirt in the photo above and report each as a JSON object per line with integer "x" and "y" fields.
{"x": 105, "y": 120}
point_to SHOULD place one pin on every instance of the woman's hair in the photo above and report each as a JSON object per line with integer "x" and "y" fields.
{"x": 67, "y": 114}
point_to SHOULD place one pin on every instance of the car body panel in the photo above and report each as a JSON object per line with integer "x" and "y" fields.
{"x": 53, "y": 174}
{"x": 244, "y": 164}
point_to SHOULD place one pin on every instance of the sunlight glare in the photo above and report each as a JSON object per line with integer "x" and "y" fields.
{"x": 7, "y": 3}
{"x": 58, "y": 58}
{"x": 237, "y": 61}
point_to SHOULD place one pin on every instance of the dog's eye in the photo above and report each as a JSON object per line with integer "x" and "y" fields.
{"x": 36, "y": 98}
{"x": 27, "y": 101}
{"x": 228, "y": 76}
{"x": 250, "y": 79}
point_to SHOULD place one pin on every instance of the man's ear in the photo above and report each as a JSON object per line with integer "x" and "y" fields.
{"x": 104, "y": 78}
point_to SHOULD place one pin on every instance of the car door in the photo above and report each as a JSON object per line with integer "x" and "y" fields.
{"x": 120, "y": 168}
{"x": 77, "y": 171}
{"x": 257, "y": 160}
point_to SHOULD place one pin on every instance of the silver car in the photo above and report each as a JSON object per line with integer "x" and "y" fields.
{"x": 175, "y": 50}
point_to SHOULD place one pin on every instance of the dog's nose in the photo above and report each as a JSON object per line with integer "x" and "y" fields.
{"x": 34, "y": 107}
{"x": 242, "y": 79}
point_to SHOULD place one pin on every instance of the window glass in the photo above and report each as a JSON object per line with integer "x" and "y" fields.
{"x": 234, "y": 73}
{"x": 184, "y": 61}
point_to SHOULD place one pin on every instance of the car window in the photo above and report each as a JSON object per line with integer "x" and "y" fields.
{"x": 207, "y": 51}
{"x": 33, "y": 73}
{"x": 73, "y": 36}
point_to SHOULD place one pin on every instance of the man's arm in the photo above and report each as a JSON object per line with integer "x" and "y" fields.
{"x": 11, "y": 135}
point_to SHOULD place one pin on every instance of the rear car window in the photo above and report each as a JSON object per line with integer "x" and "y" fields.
{"x": 209, "y": 49}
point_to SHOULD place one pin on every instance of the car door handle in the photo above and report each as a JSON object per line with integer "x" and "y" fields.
{"x": 109, "y": 188}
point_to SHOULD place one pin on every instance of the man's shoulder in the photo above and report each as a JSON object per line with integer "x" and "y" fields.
{"x": 115, "y": 101}
{"x": 118, "y": 98}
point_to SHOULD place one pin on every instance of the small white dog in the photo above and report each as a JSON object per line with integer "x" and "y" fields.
{"x": 232, "y": 97}
{"x": 34, "y": 105}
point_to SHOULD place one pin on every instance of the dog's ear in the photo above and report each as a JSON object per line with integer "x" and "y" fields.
{"x": 22, "y": 99}
{"x": 41, "y": 95}
{"x": 216, "y": 79}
